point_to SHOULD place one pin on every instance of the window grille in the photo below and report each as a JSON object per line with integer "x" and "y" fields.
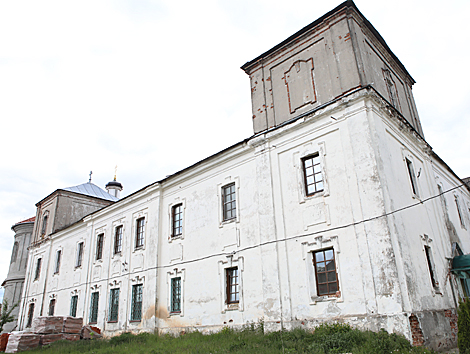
{"x": 136, "y": 311}
{"x": 113, "y": 305}
{"x": 94, "y": 307}
{"x": 176, "y": 294}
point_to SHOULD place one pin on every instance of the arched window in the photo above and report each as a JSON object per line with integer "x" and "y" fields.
{"x": 14, "y": 254}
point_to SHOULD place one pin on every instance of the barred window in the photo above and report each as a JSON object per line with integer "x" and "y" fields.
{"x": 78, "y": 260}
{"x": 99, "y": 246}
{"x": 229, "y": 202}
{"x": 118, "y": 240}
{"x": 177, "y": 220}
{"x": 232, "y": 286}
{"x": 95, "y": 297}
{"x": 313, "y": 178}
{"x": 51, "y": 307}
{"x": 73, "y": 306}
{"x": 113, "y": 305}
{"x": 325, "y": 272}
{"x": 58, "y": 256}
{"x": 136, "y": 311}
{"x": 38, "y": 269}
{"x": 139, "y": 233}
{"x": 176, "y": 295}
{"x": 29, "y": 322}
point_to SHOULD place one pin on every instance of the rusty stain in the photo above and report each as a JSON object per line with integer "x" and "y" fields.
{"x": 269, "y": 78}
{"x": 340, "y": 37}
{"x": 150, "y": 313}
{"x": 254, "y": 116}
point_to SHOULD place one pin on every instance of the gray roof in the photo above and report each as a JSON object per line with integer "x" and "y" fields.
{"x": 92, "y": 190}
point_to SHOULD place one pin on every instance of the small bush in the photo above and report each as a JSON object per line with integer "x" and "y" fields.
{"x": 463, "y": 323}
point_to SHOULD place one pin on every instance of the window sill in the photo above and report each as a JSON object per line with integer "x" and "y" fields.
{"x": 323, "y": 298}
{"x": 232, "y": 307}
{"x": 92, "y": 323}
{"x": 113, "y": 321}
{"x": 135, "y": 321}
{"x": 175, "y": 313}
{"x": 227, "y": 222}
{"x": 174, "y": 238}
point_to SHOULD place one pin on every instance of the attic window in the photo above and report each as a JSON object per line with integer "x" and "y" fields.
{"x": 44, "y": 225}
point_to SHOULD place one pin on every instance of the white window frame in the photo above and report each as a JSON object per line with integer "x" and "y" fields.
{"x": 175, "y": 273}
{"x": 176, "y": 202}
{"x": 460, "y": 212}
{"x": 307, "y": 150}
{"x": 308, "y": 249}
{"x": 220, "y": 192}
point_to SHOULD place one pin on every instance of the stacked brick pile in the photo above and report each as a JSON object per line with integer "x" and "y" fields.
{"x": 46, "y": 331}
{"x": 19, "y": 341}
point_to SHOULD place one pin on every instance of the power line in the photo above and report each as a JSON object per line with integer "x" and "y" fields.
{"x": 421, "y": 202}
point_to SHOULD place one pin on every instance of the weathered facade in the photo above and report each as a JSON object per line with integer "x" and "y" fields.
{"x": 335, "y": 209}
{"x": 14, "y": 282}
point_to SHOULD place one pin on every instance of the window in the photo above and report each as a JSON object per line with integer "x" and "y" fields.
{"x": 391, "y": 88}
{"x": 175, "y": 295}
{"x": 432, "y": 271}
{"x": 313, "y": 178}
{"x": 139, "y": 233}
{"x": 51, "y": 307}
{"x": 325, "y": 272}
{"x": 229, "y": 202}
{"x": 232, "y": 285}
{"x": 29, "y": 322}
{"x": 58, "y": 256}
{"x": 99, "y": 246}
{"x": 177, "y": 220}
{"x": 460, "y": 212}
{"x": 136, "y": 311}
{"x": 78, "y": 260}
{"x": 14, "y": 253}
{"x": 411, "y": 173}
{"x": 38, "y": 269}
{"x": 118, "y": 240}
{"x": 95, "y": 297}
{"x": 113, "y": 305}
{"x": 44, "y": 225}
{"x": 73, "y": 306}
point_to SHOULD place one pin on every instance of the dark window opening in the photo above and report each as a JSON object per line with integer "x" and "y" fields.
{"x": 113, "y": 305}
{"x": 29, "y": 322}
{"x": 136, "y": 311}
{"x": 232, "y": 286}
{"x": 229, "y": 202}
{"x": 51, "y": 307}
{"x": 325, "y": 272}
{"x": 176, "y": 295}
{"x": 78, "y": 261}
{"x": 95, "y": 297}
{"x": 73, "y": 306}
{"x": 38, "y": 269}
{"x": 99, "y": 246}
{"x": 118, "y": 240}
{"x": 313, "y": 178}
{"x": 139, "y": 234}
{"x": 177, "y": 220}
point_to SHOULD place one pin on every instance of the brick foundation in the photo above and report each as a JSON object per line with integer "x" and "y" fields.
{"x": 416, "y": 331}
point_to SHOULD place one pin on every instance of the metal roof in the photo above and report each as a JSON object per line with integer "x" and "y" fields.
{"x": 92, "y": 190}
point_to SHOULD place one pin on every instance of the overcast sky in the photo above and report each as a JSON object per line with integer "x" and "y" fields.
{"x": 154, "y": 86}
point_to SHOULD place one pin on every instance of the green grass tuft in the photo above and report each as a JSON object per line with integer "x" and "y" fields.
{"x": 326, "y": 339}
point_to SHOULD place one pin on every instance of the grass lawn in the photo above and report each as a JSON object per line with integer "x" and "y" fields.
{"x": 325, "y": 339}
